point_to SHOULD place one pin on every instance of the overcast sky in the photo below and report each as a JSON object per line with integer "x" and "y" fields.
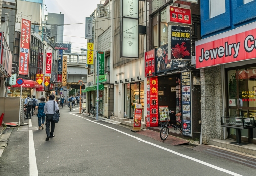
{"x": 74, "y": 11}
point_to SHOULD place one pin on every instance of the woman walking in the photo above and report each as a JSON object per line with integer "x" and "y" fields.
{"x": 41, "y": 114}
{"x": 49, "y": 108}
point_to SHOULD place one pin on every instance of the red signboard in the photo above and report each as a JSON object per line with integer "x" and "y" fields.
{"x": 59, "y": 78}
{"x": 46, "y": 80}
{"x": 238, "y": 47}
{"x": 39, "y": 78}
{"x": 48, "y": 67}
{"x": 180, "y": 15}
{"x": 152, "y": 105}
{"x": 51, "y": 86}
{"x": 150, "y": 63}
{"x": 137, "y": 117}
{"x": 24, "y": 47}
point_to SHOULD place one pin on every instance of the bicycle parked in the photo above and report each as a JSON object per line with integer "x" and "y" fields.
{"x": 164, "y": 132}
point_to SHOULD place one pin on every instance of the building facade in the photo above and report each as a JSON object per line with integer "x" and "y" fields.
{"x": 225, "y": 57}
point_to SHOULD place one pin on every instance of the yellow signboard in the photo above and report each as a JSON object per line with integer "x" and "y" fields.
{"x": 64, "y": 70}
{"x": 90, "y": 53}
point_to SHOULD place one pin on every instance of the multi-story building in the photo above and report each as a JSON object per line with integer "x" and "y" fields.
{"x": 226, "y": 59}
{"x": 172, "y": 88}
{"x": 101, "y": 29}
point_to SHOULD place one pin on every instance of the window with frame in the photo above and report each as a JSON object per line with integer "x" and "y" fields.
{"x": 155, "y": 31}
{"x": 163, "y": 28}
{"x": 217, "y": 7}
{"x": 156, "y": 4}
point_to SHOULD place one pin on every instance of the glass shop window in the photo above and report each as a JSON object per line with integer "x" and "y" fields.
{"x": 217, "y": 7}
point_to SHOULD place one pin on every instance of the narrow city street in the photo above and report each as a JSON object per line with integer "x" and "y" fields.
{"x": 85, "y": 146}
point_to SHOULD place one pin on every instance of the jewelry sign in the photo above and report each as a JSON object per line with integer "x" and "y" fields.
{"x": 24, "y": 47}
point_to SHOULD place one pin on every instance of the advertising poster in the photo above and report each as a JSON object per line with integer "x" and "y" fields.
{"x": 180, "y": 15}
{"x": 39, "y": 78}
{"x": 153, "y": 102}
{"x": 150, "y": 63}
{"x": 164, "y": 113}
{"x": 24, "y": 47}
{"x": 180, "y": 42}
{"x": 48, "y": 66}
{"x": 137, "y": 117}
{"x": 101, "y": 58}
{"x": 186, "y": 103}
{"x": 90, "y": 48}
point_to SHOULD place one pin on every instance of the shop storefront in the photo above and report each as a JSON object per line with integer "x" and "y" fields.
{"x": 134, "y": 94}
{"x": 238, "y": 79}
{"x": 27, "y": 87}
{"x": 92, "y": 96}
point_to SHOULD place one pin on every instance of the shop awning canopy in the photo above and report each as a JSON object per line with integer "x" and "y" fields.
{"x": 28, "y": 84}
{"x": 93, "y": 88}
{"x": 41, "y": 88}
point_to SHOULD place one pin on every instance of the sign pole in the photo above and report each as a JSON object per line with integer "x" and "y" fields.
{"x": 20, "y": 103}
{"x": 80, "y": 97}
{"x": 97, "y": 113}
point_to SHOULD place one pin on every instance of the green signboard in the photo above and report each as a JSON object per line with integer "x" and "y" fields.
{"x": 102, "y": 78}
{"x": 94, "y": 88}
{"x": 101, "y": 58}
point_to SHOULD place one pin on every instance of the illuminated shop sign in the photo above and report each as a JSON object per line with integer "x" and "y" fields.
{"x": 179, "y": 15}
{"x": 232, "y": 46}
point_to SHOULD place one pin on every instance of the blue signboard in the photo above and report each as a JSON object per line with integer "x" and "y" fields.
{"x": 60, "y": 61}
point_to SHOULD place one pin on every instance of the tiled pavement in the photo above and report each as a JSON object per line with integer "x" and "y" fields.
{"x": 170, "y": 139}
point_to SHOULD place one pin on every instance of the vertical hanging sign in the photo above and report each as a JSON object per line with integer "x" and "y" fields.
{"x": 64, "y": 71}
{"x": 186, "y": 103}
{"x": 24, "y": 47}
{"x": 48, "y": 66}
{"x": 101, "y": 58}
{"x": 60, "y": 61}
{"x": 90, "y": 53}
{"x": 153, "y": 102}
{"x": 46, "y": 80}
{"x": 88, "y": 27}
{"x": 39, "y": 78}
{"x": 130, "y": 29}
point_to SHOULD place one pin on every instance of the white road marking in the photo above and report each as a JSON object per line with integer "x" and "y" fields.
{"x": 171, "y": 151}
{"x": 32, "y": 154}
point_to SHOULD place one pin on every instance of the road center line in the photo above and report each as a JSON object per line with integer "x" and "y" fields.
{"x": 171, "y": 151}
{"x": 33, "y": 171}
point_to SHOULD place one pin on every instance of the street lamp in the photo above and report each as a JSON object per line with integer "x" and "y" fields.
{"x": 97, "y": 99}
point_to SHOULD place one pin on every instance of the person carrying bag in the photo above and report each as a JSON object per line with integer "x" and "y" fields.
{"x": 50, "y": 109}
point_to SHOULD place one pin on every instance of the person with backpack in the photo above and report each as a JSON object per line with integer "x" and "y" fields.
{"x": 62, "y": 100}
{"x": 28, "y": 105}
{"x": 34, "y": 103}
{"x": 41, "y": 114}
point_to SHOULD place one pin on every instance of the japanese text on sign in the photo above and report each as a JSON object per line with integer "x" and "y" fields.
{"x": 90, "y": 53}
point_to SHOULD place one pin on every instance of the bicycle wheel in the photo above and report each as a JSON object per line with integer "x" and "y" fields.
{"x": 164, "y": 133}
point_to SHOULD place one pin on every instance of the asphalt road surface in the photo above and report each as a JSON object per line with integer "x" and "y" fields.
{"x": 85, "y": 146}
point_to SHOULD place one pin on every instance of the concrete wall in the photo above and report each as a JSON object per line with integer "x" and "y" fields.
{"x": 211, "y": 103}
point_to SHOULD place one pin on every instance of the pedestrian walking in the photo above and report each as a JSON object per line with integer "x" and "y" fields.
{"x": 34, "y": 103}
{"x": 41, "y": 114}
{"x": 28, "y": 105}
{"x": 49, "y": 108}
{"x": 62, "y": 100}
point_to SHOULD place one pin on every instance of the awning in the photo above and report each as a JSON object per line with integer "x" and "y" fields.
{"x": 28, "y": 84}
{"x": 94, "y": 88}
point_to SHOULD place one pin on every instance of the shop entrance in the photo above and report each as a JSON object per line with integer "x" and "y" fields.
{"x": 169, "y": 96}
